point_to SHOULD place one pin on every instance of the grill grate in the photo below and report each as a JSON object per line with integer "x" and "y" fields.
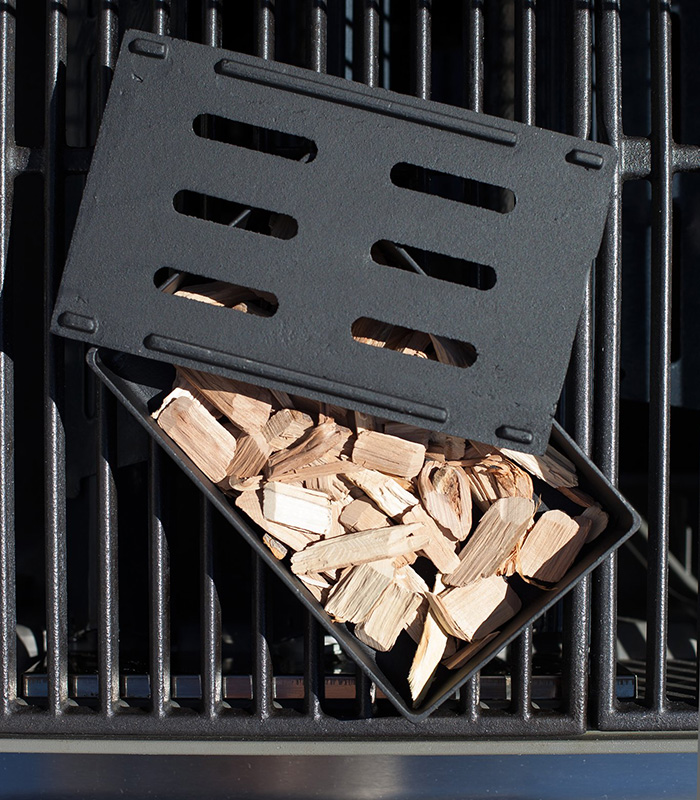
{"x": 98, "y": 544}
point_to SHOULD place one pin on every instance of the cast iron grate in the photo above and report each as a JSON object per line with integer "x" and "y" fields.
{"x": 105, "y": 546}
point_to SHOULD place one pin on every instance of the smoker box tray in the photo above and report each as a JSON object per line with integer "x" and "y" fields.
{"x": 344, "y": 201}
{"x": 140, "y": 384}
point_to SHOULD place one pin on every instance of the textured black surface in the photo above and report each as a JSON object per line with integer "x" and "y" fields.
{"x": 343, "y": 201}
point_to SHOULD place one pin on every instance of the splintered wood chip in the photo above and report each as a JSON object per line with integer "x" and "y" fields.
{"x": 552, "y": 467}
{"x": 597, "y": 517}
{"x": 411, "y": 433}
{"x": 320, "y": 440}
{"x": 362, "y": 515}
{"x": 285, "y": 427}
{"x": 495, "y": 476}
{"x": 440, "y": 550}
{"x": 551, "y": 546}
{"x": 388, "y": 454}
{"x": 279, "y": 551}
{"x": 446, "y": 496}
{"x": 395, "y": 608}
{"x": 359, "y": 548}
{"x": 431, "y": 648}
{"x": 195, "y": 430}
{"x": 359, "y": 590}
{"x": 475, "y": 610}
{"x": 248, "y": 407}
{"x": 297, "y": 507}
{"x": 250, "y": 503}
{"x": 493, "y": 540}
{"x": 461, "y": 656}
{"x": 251, "y": 456}
{"x": 387, "y": 493}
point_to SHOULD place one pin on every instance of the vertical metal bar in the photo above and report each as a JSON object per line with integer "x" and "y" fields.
{"x": 660, "y": 354}
{"x": 319, "y": 35}
{"x": 521, "y": 649}
{"x": 211, "y": 617}
{"x": 8, "y": 610}
{"x": 54, "y": 434}
{"x": 474, "y": 37}
{"x": 363, "y": 695}
{"x": 262, "y": 663}
{"x": 370, "y": 41}
{"x": 576, "y": 604}
{"x": 423, "y": 48}
{"x": 212, "y": 22}
{"x": 107, "y": 544}
{"x": 161, "y": 17}
{"x": 607, "y": 354}
{"x": 313, "y": 668}
{"x": 265, "y": 21}
{"x": 469, "y": 697}
{"x": 159, "y": 590}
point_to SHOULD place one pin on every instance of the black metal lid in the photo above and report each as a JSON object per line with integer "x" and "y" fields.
{"x": 366, "y": 153}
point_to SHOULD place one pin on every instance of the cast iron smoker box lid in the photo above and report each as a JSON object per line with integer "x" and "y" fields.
{"x": 341, "y": 201}
{"x": 141, "y": 384}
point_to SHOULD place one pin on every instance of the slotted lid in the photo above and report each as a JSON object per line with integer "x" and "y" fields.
{"x": 519, "y": 211}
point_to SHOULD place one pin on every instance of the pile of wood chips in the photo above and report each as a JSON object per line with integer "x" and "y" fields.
{"x": 350, "y": 502}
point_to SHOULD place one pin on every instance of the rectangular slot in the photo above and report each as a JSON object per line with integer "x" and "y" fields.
{"x": 253, "y": 137}
{"x": 453, "y": 187}
{"x": 418, "y": 344}
{"x": 434, "y": 265}
{"x": 187, "y": 286}
{"x": 235, "y": 215}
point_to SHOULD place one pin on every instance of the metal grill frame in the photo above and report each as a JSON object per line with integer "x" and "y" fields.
{"x": 593, "y": 394}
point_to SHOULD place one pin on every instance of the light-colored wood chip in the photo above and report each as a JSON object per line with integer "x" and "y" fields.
{"x": 414, "y": 627}
{"x": 496, "y": 476}
{"x": 359, "y": 548}
{"x": 183, "y": 388}
{"x": 358, "y": 591}
{"x": 220, "y": 293}
{"x": 475, "y": 610}
{"x": 281, "y": 399}
{"x": 247, "y": 485}
{"x": 494, "y": 538}
{"x": 550, "y": 548}
{"x": 362, "y": 515}
{"x": 553, "y": 467}
{"x": 412, "y": 433}
{"x": 460, "y": 657}
{"x": 319, "y": 586}
{"x": 387, "y": 493}
{"x": 336, "y": 528}
{"x": 285, "y": 427}
{"x": 251, "y": 504}
{"x": 388, "y": 454}
{"x": 317, "y": 470}
{"x": 365, "y": 422}
{"x": 426, "y": 660}
{"x": 597, "y": 517}
{"x": 577, "y": 496}
{"x": 395, "y": 608}
{"x": 279, "y": 551}
{"x": 446, "y": 496}
{"x": 440, "y": 550}
{"x": 248, "y": 407}
{"x": 251, "y": 456}
{"x": 199, "y": 435}
{"x": 297, "y": 507}
{"x": 324, "y": 438}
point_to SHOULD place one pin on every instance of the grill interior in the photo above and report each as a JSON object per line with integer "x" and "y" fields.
{"x": 139, "y": 611}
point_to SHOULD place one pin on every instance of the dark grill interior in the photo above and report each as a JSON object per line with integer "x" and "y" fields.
{"x": 117, "y": 570}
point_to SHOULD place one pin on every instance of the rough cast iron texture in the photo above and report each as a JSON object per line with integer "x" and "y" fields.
{"x": 141, "y": 385}
{"x": 324, "y": 278}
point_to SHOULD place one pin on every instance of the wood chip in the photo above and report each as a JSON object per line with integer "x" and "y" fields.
{"x": 383, "y": 625}
{"x": 597, "y": 517}
{"x": 412, "y": 433}
{"x": 496, "y": 535}
{"x": 248, "y": 407}
{"x": 577, "y": 496}
{"x": 297, "y": 507}
{"x": 285, "y": 427}
{"x": 317, "y": 470}
{"x": 550, "y": 547}
{"x": 279, "y": 551}
{"x": 388, "y": 454}
{"x": 473, "y": 611}
{"x": 552, "y": 467}
{"x": 440, "y": 550}
{"x": 359, "y": 548}
{"x": 387, "y": 493}
{"x": 460, "y": 657}
{"x": 494, "y": 477}
{"x": 362, "y": 515}
{"x": 359, "y": 590}
{"x": 446, "y": 496}
{"x": 319, "y": 441}
{"x": 195, "y": 431}
{"x": 426, "y": 660}
{"x": 319, "y": 586}
{"x": 251, "y": 456}
{"x": 414, "y": 628}
{"x": 251, "y": 504}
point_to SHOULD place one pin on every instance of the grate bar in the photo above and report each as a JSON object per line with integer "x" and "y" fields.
{"x": 474, "y": 37}
{"x": 607, "y": 355}
{"x": 262, "y": 663}
{"x": 314, "y": 680}
{"x": 423, "y": 47}
{"x": 8, "y": 609}
{"x": 319, "y": 36}
{"x": 211, "y": 616}
{"x": 363, "y": 695}
{"x": 370, "y": 42}
{"x": 161, "y": 17}
{"x": 55, "y": 448}
{"x": 265, "y": 21}
{"x": 212, "y": 23}
{"x": 660, "y": 355}
{"x": 521, "y": 674}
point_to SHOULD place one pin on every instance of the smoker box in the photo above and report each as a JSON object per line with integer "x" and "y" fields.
{"x": 140, "y": 384}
